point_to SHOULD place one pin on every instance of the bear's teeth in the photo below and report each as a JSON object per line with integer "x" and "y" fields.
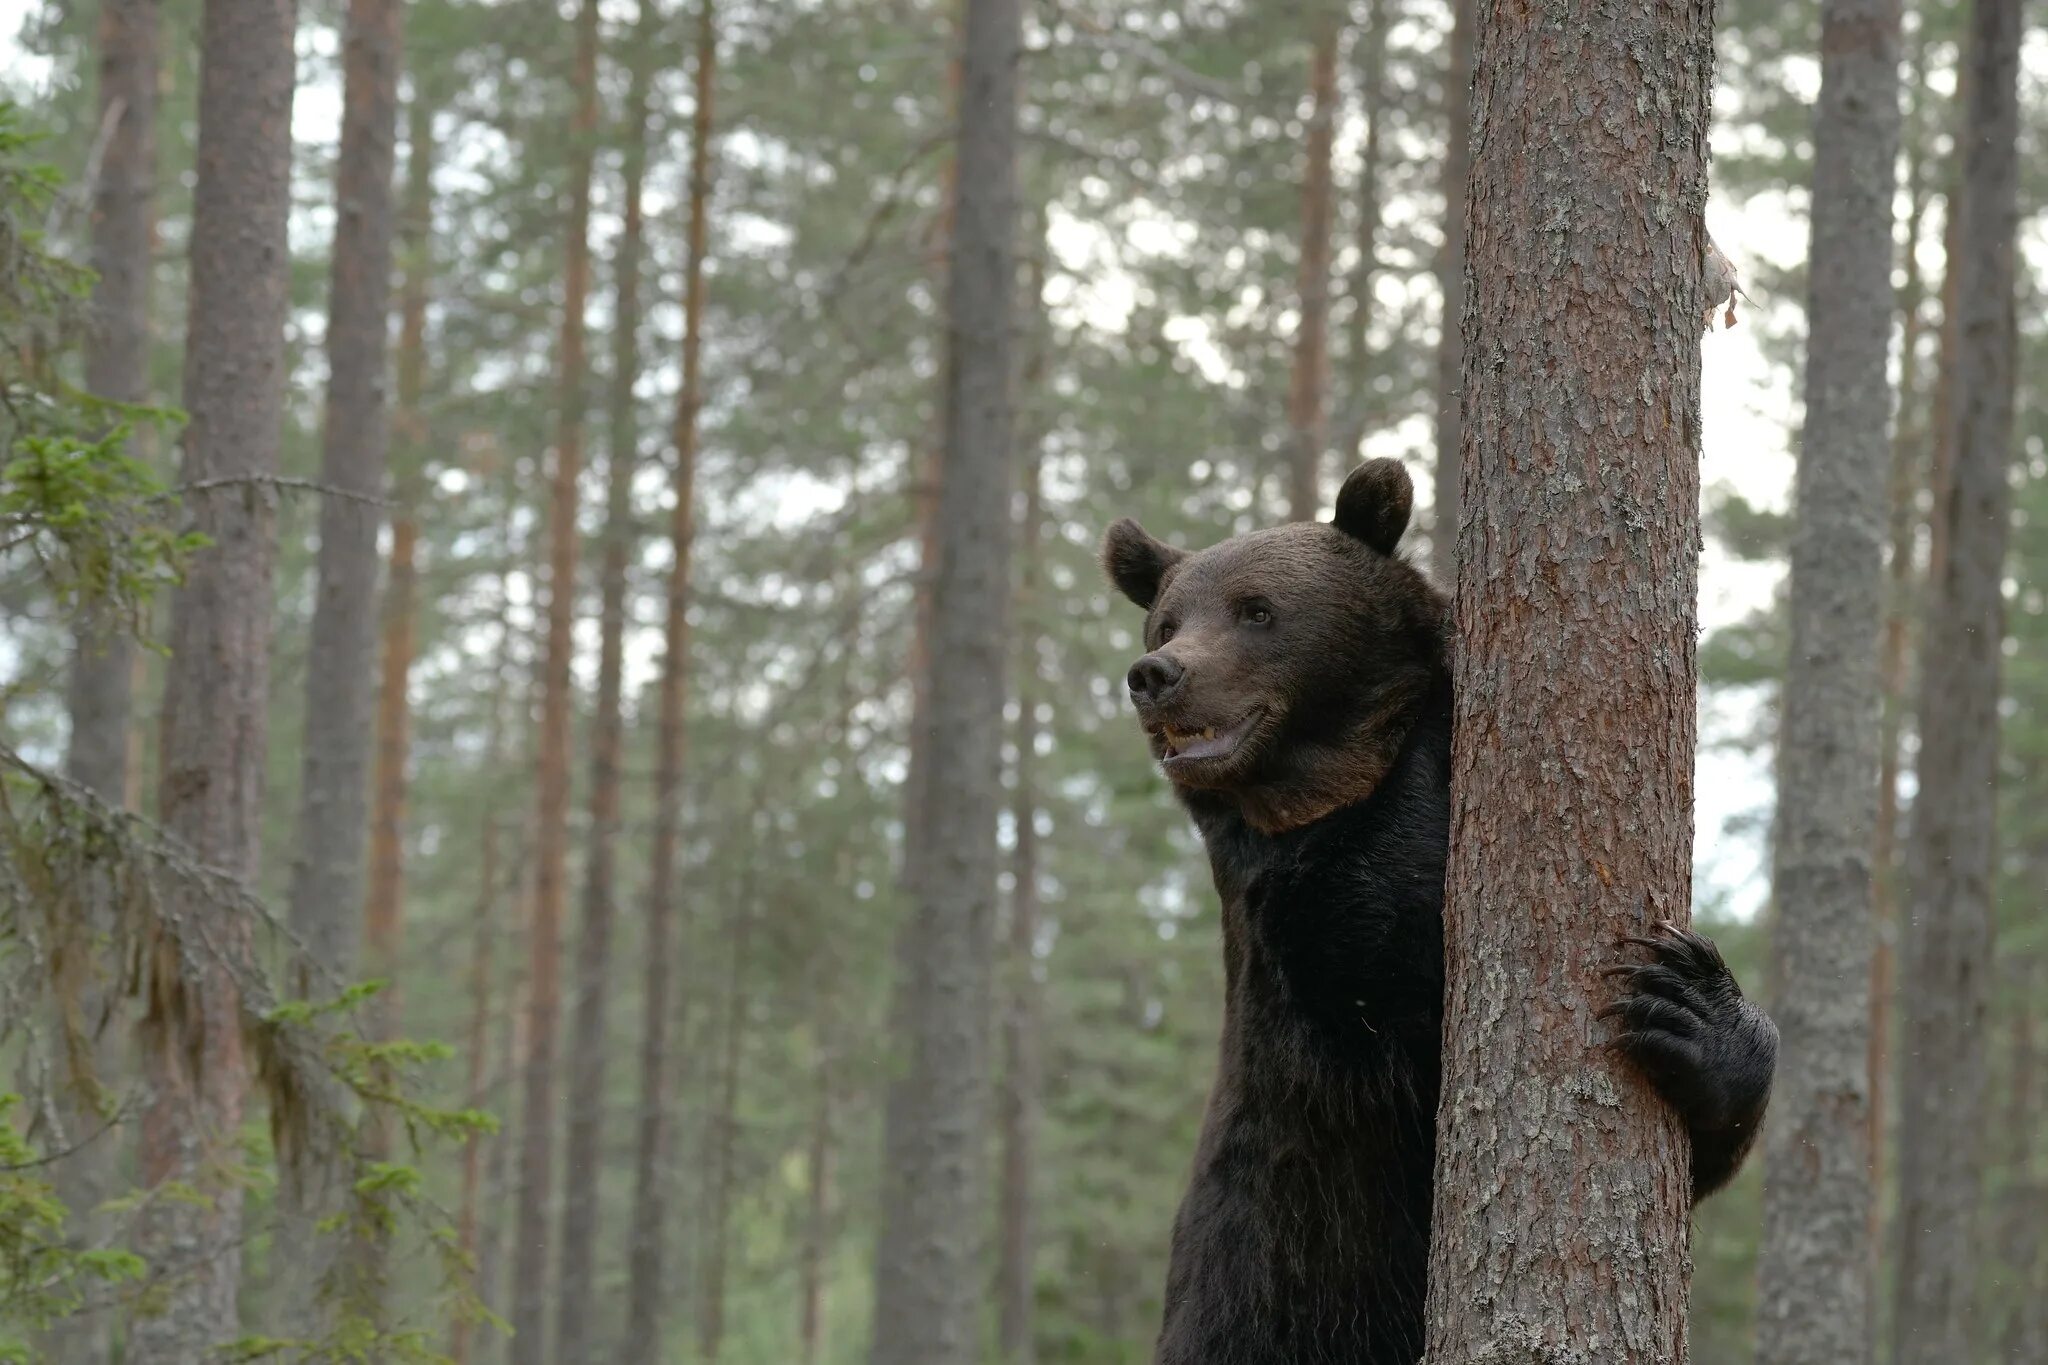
{"x": 1208, "y": 732}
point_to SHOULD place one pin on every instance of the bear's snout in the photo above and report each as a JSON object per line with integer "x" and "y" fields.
{"x": 1154, "y": 679}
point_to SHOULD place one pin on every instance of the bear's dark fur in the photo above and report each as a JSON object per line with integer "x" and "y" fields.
{"x": 1297, "y": 692}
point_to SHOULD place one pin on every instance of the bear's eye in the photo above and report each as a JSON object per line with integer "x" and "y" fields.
{"x": 1166, "y": 629}
{"x": 1256, "y": 614}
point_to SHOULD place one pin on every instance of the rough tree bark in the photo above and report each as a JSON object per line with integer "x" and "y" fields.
{"x": 575, "y": 1338}
{"x": 104, "y": 657}
{"x": 1948, "y": 921}
{"x": 216, "y": 697}
{"x": 647, "y": 1285}
{"x": 1307, "y": 421}
{"x": 1814, "y": 1302}
{"x": 327, "y": 875}
{"x": 926, "y": 1306}
{"x": 530, "y": 1298}
{"x": 1450, "y": 276}
{"x": 1562, "y": 1191}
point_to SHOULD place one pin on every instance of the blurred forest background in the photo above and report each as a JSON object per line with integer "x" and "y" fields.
{"x": 655, "y": 931}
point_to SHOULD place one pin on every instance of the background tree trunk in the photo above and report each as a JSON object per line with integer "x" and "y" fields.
{"x": 103, "y": 664}
{"x": 1910, "y": 437}
{"x": 647, "y": 1284}
{"x": 327, "y": 875}
{"x": 817, "y": 1235}
{"x": 1562, "y": 1191}
{"x": 117, "y": 356}
{"x": 530, "y": 1297}
{"x": 384, "y": 901}
{"x": 462, "y": 1331}
{"x": 492, "y": 894}
{"x": 1814, "y": 1272}
{"x": 1371, "y": 62}
{"x": 326, "y": 904}
{"x": 1021, "y": 1100}
{"x": 1948, "y": 924}
{"x": 216, "y": 702}
{"x": 1307, "y": 425}
{"x": 1450, "y": 276}
{"x": 722, "y": 1129}
{"x": 575, "y": 1340}
{"x": 925, "y": 1305}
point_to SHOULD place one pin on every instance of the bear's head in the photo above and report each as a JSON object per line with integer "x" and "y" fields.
{"x": 1283, "y": 668}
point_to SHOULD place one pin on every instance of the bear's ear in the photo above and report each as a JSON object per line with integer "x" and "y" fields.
{"x": 1136, "y": 563}
{"x": 1372, "y": 506}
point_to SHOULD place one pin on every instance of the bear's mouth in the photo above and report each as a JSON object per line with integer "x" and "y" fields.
{"x": 1195, "y": 746}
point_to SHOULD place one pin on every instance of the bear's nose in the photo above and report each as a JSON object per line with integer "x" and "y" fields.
{"x": 1153, "y": 679}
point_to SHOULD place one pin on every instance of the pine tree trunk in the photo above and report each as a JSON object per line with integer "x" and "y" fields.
{"x": 327, "y": 875}
{"x": 104, "y": 659}
{"x": 1909, "y": 439}
{"x": 531, "y": 1243}
{"x": 117, "y": 355}
{"x": 484, "y": 938}
{"x": 326, "y": 900}
{"x": 216, "y": 698}
{"x": 912, "y": 936}
{"x": 1450, "y": 276}
{"x": 575, "y": 1339}
{"x": 723, "y": 1134}
{"x": 499, "y": 1183}
{"x": 1948, "y": 928}
{"x": 2018, "y": 1235}
{"x": 1307, "y": 424}
{"x": 1021, "y": 1099}
{"x": 1371, "y": 54}
{"x": 1562, "y": 1190}
{"x": 647, "y": 1246}
{"x": 926, "y": 1304}
{"x": 817, "y": 1236}
{"x": 384, "y": 900}
{"x": 1814, "y": 1272}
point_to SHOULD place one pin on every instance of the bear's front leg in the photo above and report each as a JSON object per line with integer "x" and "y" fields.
{"x": 1708, "y": 1051}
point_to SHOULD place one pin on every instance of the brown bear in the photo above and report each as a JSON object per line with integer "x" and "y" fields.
{"x": 1296, "y": 691}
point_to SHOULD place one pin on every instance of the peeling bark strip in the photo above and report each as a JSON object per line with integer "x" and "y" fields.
{"x": 1814, "y": 1275}
{"x": 1943, "y": 1004}
{"x": 1562, "y": 1190}
{"x": 216, "y": 694}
